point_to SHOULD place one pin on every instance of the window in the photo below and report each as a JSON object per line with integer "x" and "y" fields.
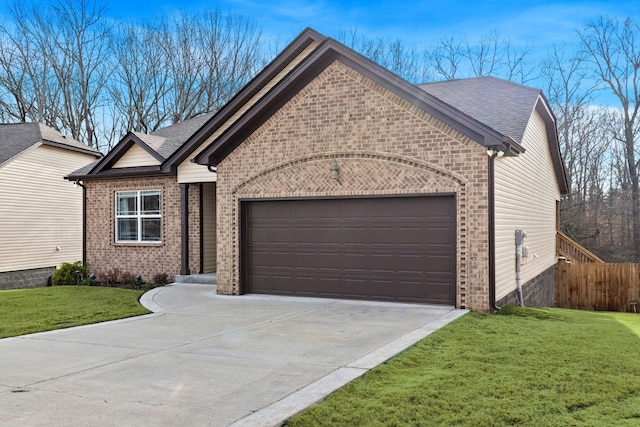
{"x": 138, "y": 216}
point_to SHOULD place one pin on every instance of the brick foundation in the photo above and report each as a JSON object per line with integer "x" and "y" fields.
{"x": 25, "y": 279}
{"x": 537, "y": 292}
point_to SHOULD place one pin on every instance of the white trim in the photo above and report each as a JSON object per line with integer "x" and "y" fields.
{"x": 138, "y": 216}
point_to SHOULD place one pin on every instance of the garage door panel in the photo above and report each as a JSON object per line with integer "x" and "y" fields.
{"x": 382, "y": 262}
{"x": 410, "y": 262}
{"x": 413, "y": 290}
{"x": 332, "y": 286}
{"x": 282, "y": 283}
{"x": 306, "y": 234}
{"x": 281, "y": 259}
{"x": 330, "y": 260}
{"x": 353, "y": 261}
{"x": 260, "y": 235}
{"x": 382, "y": 288}
{"x": 439, "y": 236}
{"x": 440, "y": 264}
{"x": 382, "y": 235}
{"x": 410, "y": 234}
{"x": 395, "y": 248}
{"x": 261, "y": 258}
{"x": 281, "y": 235}
{"x": 440, "y": 207}
{"x": 328, "y": 235}
{"x": 440, "y": 292}
{"x": 305, "y": 260}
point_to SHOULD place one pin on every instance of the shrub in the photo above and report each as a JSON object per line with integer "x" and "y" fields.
{"x": 125, "y": 279}
{"x": 67, "y": 274}
{"x": 160, "y": 279}
{"x": 110, "y": 278}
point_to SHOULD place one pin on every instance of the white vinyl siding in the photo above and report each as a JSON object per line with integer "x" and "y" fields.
{"x": 136, "y": 156}
{"x": 189, "y": 171}
{"x": 138, "y": 216}
{"x": 526, "y": 191}
{"x": 209, "y": 227}
{"x": 40, "y": 211}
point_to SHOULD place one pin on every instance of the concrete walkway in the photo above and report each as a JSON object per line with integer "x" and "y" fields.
{"x": 203, "y": 359}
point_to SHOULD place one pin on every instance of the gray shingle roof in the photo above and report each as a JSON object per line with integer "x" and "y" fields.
{"x": 168, "y": 140}
{"x": 500, "y": 104}
{"x": 17, "y": 137}
{"x": 85, "y": 169}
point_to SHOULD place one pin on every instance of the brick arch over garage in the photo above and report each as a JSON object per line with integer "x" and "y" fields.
{"x": 361, "y": 175}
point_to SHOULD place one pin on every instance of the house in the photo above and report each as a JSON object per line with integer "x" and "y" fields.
{"x": 40, "y": 212}
{"x": 330, "y": 176}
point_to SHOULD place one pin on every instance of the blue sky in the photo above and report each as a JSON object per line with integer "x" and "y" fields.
{"x": 534, "y": 26}
{"x": 537, "y": 24}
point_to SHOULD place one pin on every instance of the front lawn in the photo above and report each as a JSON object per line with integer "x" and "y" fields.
{"x": 25, "y": 311}
{"x": 524, "y": 367}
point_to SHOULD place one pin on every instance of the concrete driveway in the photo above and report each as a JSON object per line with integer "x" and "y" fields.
{"x": 203, "y": 359}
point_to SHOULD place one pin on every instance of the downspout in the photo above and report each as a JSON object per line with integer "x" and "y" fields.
{"x": 493, "y": 308}
{"x": 84, "y": 222}
{"x": 201, "y": 213}
{"x": 184, "y": 229}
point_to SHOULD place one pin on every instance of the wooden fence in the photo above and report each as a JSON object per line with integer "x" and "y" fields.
{"x": 598, "y": 286}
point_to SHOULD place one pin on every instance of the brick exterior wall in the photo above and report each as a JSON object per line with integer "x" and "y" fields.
{"x": 537, "y": 292}
{"x": 383, "y": 144}
{"x": 145, "y": 259}
{"x": 23, "y": 279}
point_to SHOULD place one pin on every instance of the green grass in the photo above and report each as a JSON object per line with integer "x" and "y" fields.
{"x": 524, "y": 367}
{"x": 27, "y": 311}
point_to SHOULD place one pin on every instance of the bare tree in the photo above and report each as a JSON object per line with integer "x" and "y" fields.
{"x": 446, "y": 57}
{"x": 611, "y": 46}
{"x": 491, "y": 55}
{"x": 140, "y": 80}
{"x": 65, "y": 66}
{"x": 53, "y": 63}
{"x": 208, "y": 57}
{"x": 232, "y": 50}
{"x": 395, "y": 55}
{"x": 565, "y": 75}
{"x": 30, "y": 90}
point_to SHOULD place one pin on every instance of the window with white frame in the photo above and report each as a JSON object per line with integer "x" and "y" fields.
{"x": 138, "y": 216}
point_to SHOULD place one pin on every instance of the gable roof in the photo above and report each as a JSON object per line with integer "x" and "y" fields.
{"x": 160, "y": 144}
{"x": 495, "y": 116}
{"x": 18, "y": 137}
{"x": 325, "y": 54}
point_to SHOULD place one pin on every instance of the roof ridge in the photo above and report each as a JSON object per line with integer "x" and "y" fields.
{"x": 497, "y": 79}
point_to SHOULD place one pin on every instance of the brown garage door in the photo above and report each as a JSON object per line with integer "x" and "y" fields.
{"x": 389, "y": 249}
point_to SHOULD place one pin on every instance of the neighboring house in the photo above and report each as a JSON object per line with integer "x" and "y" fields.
{"x": 40, "y": 212}
{"x": 333, "y": 177}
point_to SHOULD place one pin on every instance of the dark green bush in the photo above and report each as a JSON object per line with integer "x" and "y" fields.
{"x": 66, "y": 273}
